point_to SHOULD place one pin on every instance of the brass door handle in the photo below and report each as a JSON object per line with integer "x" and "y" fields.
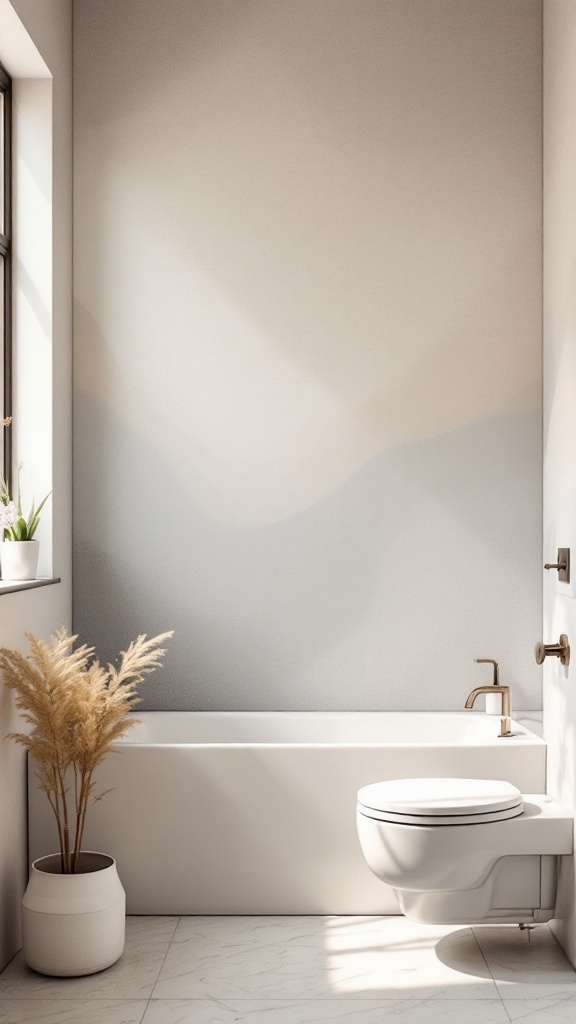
{"x": 560, "y": 650}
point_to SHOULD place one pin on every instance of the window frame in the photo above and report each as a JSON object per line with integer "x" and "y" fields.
{"x": 6, "y": 252}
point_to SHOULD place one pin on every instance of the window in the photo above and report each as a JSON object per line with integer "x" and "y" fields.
{"x": 6, "y": 269}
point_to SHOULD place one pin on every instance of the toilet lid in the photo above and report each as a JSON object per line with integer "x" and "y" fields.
{"x": 440, "y": 801}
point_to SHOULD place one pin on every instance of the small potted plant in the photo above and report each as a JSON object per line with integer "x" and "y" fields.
{"x": 74, "y": 907}
{"x": 19, "y": 553}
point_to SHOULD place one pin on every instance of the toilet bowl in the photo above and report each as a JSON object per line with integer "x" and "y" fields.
{"x": 464, "y": 850}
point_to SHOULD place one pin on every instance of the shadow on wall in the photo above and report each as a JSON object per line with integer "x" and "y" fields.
{"x": 392, "y": 580}
{"x": 340, "y": 264}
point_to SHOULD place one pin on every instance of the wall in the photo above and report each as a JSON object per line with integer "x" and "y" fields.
{"x": 50, "y": 26}
{"x": 560, "y": 413}
{"x": 307, "y": 346}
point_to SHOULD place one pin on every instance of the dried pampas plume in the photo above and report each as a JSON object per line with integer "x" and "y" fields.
{"x": 77, "y": 709}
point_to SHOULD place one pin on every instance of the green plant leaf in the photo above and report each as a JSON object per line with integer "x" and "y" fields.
{"x": 19, "y": 529}
{"x": 34, "y": 517}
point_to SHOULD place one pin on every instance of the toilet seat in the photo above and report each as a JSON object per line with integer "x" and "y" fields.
{"x": 440, "y": 801}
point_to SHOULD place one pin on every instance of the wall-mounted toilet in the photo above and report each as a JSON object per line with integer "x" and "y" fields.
{"x": 464, "y": 850}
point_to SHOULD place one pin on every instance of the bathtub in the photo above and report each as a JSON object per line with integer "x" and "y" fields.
{"x": 254, "y": 813}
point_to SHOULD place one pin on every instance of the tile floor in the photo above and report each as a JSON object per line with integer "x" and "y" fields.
{"x": 306, "y": 970}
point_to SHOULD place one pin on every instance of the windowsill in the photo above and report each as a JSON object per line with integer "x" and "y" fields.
{"x": 12, "y": 586}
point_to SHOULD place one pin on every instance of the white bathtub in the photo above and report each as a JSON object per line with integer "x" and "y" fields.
{"x": 254, "y": 813}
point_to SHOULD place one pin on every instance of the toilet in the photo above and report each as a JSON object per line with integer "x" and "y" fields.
{"x": 465, "y": 850}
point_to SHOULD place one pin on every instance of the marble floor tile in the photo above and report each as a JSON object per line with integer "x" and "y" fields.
{"x": 306, "y": 970}
{"x": 321, "y": 958}
{"x": 547, "y": 1010}
{"x": 321, "y": 1011}
{"x": 71, "y": 1011}
{"x": 526, "y": 968}
{"x": 132, "y": 977}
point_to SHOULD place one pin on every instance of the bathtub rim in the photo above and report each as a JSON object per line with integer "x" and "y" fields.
{"x": 526, "y": 735}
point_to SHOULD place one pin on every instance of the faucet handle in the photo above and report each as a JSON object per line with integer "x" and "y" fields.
{"x": 562, "y": 565}
{"x": 560, "y": 650}
{"x": 490, "y": 661}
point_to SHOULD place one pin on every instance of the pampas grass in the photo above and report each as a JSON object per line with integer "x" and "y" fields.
{"x": 77, "y": 709}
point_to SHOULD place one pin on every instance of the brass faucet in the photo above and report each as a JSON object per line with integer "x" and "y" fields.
{"x": 505, "y": 692}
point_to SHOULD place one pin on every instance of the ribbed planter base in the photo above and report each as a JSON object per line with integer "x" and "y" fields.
{"x": 73, "y": 924}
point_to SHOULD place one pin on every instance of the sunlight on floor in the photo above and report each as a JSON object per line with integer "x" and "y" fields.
{"x": 394, "y": 956}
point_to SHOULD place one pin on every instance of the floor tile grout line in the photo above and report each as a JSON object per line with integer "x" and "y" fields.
{"x": 490, "y": 973}
{"x": 340, "y": 1000}
{"x": 326, "y": 999}
{"x": 178, "y": 919}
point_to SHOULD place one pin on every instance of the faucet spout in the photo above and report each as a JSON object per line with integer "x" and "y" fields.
{"x": 504, "y": 691}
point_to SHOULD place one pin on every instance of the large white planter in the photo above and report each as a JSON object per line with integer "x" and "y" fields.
{"x": 19, "y": 559}
{"x": 73, "y": 924}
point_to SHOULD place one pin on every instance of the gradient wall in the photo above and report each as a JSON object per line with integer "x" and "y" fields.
{"x": 308, "y": 346}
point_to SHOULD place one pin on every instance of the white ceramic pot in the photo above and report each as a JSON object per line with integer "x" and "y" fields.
{"x": 19, "y": 559}
{"x": 73, "y": 924}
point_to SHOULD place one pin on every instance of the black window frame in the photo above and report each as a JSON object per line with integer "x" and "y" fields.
{"x": 6, "y": 238}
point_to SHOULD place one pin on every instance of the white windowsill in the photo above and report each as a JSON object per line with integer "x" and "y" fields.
{"x": 11, "y": 586}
